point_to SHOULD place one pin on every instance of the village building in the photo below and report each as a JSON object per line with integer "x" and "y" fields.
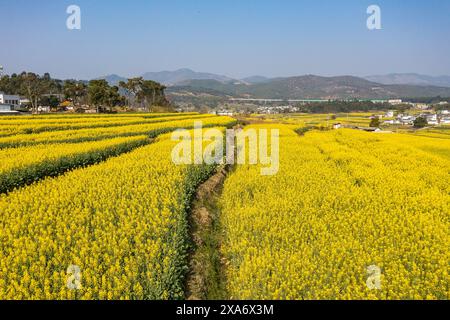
{"x": 370, "y": 129}
{"x": 395, "y": 102}
{"x": 432, "y": 119}
{"x": 9, "y": 103}
{"x": 406, "y": 119}
{"x": 224, "y": 113}
{"x": 11, "y": 100}
{"x": 390, "y": 114}
{"x": 445, "y": 120}
{"x": 421, "y": 106}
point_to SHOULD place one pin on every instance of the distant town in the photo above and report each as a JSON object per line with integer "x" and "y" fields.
{"x": 407, "y": 115}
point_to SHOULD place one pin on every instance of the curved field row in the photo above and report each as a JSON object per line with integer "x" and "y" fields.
{"x": 122, "y": 222}
{"x": 342, "y": 203}
{"x": 435, "y": 144}
{"x": 4, "y": 121}
{"x": 151, "y": 129}
{"x": 441, "y": 133}
{"x": 66, "y": 117}
{"x": 27, "y": 128}
{"x": 24, "y": 165}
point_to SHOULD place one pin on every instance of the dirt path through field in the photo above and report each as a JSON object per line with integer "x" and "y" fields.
{"x": 205, "y": 279}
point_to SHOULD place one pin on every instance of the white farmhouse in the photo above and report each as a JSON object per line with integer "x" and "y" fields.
{"x": 24, "y": 101}
{"x": 224, "y": 113}
{"x": 390, "y": 114}
{"x": 421, "y": 106}
{"x": 8, "y": 103}
{"x": 12, "y": 100}
{"x": 395, "y": 102}
{"x": 5, "y": 108}
{"x": 432, "y": 119}
{"x": 407, "y": 120}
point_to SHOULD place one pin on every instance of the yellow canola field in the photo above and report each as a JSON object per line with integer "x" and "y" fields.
{"x": 54, "y": 117}
{"x": 342, "y": 203}
{"x": 11, "y": 127}
{"x": 123, "y": 223}
{"x": 23, "y": 165}
{"x": 442, "y": 133}
{"x": 151, "y": 129}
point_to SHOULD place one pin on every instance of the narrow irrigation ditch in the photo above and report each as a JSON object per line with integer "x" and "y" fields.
{"x": 206, "y": 276}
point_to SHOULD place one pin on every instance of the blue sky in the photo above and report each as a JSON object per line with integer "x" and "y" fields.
{"x": 237, "y": 38}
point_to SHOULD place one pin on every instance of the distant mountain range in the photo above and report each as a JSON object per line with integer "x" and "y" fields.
{"x": 181, "y": 75}
{"x": 256, "y": 79}
{"x": 171, "y": 78}
{"x": 310, "y": 87}
{"x": 184, "y": 82}
{"x": 412, "y": 79}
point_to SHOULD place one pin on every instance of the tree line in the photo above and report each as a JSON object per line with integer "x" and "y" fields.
{"x": 341, "y": 106}
{"x": 45, "y": 91}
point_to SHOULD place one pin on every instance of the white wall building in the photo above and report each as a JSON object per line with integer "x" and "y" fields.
{"x": 11, "y": 100}
{"x": 421, "y": 106}
{"x": 395, "y": 101}
{"x": 390, "y": 114}
{"x": 432, "y": 119}
{"x": 224, "y": 113}
{"x": 392, "y": 122}
{"x": 407, "y": 119}
{"x": 24, "y": 101}
{"x": 5, "y": 108}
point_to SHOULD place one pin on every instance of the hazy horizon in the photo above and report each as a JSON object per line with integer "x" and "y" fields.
{"x": 237, "y": 39}
{"x": 229, "y": 76}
